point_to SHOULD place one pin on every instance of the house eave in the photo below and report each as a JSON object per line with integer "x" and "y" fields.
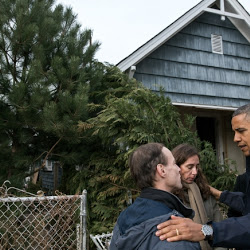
{"x": 191, "y": 105}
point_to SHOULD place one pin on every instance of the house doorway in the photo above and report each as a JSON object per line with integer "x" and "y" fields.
{"x": 205, "y": 127}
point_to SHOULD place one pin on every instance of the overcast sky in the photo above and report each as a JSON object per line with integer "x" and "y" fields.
{"x": 121, "y": 26}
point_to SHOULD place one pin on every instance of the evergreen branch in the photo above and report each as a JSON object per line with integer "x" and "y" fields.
{"x": 125, "y": 188}
{"x": 153, "y": 110}
{"x": 39, "y": 156}
{"x": 5, "y": 55}
{"x": 52, "y": 148}
{"x": 46, "y": 157}
{"x": 25, "y": 65}
{"x": 14, "y": 70}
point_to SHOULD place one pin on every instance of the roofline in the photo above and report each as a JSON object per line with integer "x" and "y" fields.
{"x": 175, "y": 27}
{"x": 161, "y": 37}
{"x": 239, "y": 7}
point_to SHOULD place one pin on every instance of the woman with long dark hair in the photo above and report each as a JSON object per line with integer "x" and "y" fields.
{"x": 195, "y": 192}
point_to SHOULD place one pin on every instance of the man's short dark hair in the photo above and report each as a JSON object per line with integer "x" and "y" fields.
{"x": 143, "y": 162}
{"x": 243, "y": 110}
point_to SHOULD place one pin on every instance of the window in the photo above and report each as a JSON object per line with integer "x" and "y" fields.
{"x": 216, "y": 41}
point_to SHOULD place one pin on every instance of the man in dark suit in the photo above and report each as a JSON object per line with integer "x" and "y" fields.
{"x": 241, "y": 185}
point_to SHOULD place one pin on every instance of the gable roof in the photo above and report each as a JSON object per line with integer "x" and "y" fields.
{"x": 231, "y": 9}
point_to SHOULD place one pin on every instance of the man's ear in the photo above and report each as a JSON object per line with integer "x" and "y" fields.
{"x": 161, "y": 170}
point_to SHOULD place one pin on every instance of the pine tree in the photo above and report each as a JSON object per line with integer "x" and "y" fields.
{"x": 46, "y": 68}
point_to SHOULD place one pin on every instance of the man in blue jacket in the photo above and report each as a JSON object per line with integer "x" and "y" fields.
{"x": 153, "y": 167}
{"x": 232, "y": 232}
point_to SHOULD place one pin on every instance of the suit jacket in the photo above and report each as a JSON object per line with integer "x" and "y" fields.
{"x": 242, "y": 185}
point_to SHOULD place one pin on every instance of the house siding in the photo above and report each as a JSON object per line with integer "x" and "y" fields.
{"x": 191, "y": 74}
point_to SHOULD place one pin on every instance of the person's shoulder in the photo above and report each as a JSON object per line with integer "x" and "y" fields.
{"x": 210, "y": 199}
{"x": 211, "y": 204}
{"x": 240, "y": 183}
{"x": 242, "y": 176}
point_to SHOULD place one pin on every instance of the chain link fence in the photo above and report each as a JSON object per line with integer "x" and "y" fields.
{"x": 48, "y": 222}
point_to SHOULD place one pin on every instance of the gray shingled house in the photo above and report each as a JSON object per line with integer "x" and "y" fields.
{"x": 202, "y": 60}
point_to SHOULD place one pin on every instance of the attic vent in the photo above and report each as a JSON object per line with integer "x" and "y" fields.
{"x": 216, "y": 44}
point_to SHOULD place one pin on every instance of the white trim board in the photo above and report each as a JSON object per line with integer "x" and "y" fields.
{"x": 191, "y": 105}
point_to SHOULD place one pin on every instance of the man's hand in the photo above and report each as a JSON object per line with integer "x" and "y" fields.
{"x": 186, "y": 228}
{"x": 215, "y": 192}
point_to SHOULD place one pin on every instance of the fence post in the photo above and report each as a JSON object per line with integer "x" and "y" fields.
{"x": 83, "y": 221}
